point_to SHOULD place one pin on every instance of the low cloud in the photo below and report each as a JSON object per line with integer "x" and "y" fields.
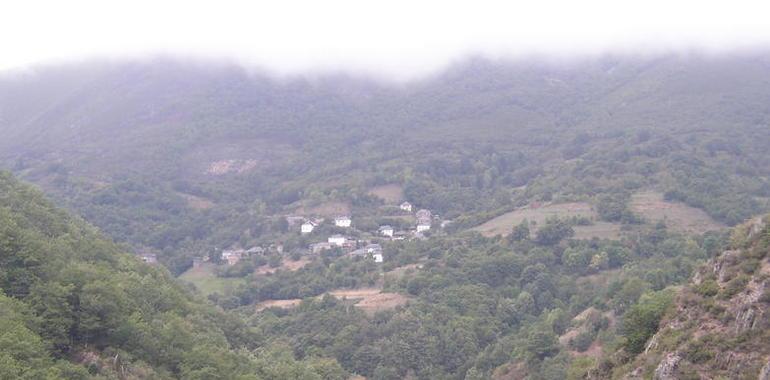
{"x": 398, "y": 39}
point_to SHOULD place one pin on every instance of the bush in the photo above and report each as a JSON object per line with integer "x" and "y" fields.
{"x": 582, "y": 341}
{"x": 734, "y": 286}
{"x": 642, "y": 319}
{"x": 707, "y": 288}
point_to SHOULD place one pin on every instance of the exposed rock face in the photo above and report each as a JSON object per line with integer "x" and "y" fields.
{"x": 720, "y": 325}
{"x": 666, "y": 370}
{"x": 723, "y": 263}
{"x": 745, "y": 319}
{"x": 764, "y": 374}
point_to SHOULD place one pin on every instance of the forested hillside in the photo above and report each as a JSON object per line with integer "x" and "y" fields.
{"x": 716, "y": 326}
{"x": 180, "y": 157}
{"x": 74, "y": 306}
{"x": 567, "y": 204}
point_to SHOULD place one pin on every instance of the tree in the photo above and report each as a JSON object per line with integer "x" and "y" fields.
{"x": 553, "y": 232}
{"x": 541, "y": 343}
{"x": 521, "y": 231}
{"x": 641, "y": 321}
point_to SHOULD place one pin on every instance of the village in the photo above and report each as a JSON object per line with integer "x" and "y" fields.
{"x": 369, "y": 247}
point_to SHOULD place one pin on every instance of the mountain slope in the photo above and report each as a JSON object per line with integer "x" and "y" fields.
{"x": 126, "y": 145}
{"x": 718, "y": 325}
{"x": 75, "y": 306}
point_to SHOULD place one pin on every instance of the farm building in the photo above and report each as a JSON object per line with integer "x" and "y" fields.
{"x": 255, "y": 251}
{"x": 232, "y": 257}
{"x": 149, "y": 258}
{"x": 406, "y": 206}
{"x": 373, "y": 250}
{"x": 337, "y": 240}
{"x": 342, "y": 221}
{"x": 423, "y": 226}
{"x": 386, "y": 231}
{"x": 307, "y": 227}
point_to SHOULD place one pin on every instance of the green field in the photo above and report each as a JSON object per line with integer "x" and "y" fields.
{"x": 207, "y": 282}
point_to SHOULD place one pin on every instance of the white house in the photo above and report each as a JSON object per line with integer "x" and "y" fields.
{"x": 342, "y": 221}
{"x": 232, "y": 256}
{"x": 337, "y": 240}
{"x": 423, "y": 226}
{"x": 373, "y": 250}
{"x": 406, "y": 206}
{"x": 386, "y": 231}
{"x": 149, "y": 258}
{"x": 307, "y": 227}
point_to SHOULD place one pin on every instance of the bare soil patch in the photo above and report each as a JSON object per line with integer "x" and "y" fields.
{"x": 503, "y": 224}
{"x": 371, "y": 300}
{"x": 399, "y": 272}
{"x": 392, "y": 193}
{"x": 288, "y": 265}
{"x": 196, "y": 202}
{"x": 678, "y": 216}
{"x": 222, "y": 167}
{"x": 327, "y": 209}
{"x": 283, "y": 304}
{"x": 601, "y": 230}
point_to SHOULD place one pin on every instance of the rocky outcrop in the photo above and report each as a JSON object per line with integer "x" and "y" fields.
{"x": 764, "y": 373}
{"x": 666, "y": 370}
{"x": 720, "y": 325}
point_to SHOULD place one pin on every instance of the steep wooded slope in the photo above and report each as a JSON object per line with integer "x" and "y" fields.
{"x": 718, "y": 326}
{"x": 73, "y": 305}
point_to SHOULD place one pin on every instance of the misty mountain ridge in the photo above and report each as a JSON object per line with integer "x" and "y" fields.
{"x": 567, "y": 202}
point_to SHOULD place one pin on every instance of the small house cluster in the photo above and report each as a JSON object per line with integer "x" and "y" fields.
{"x": 148, "y": 258}
{"x": 424, "y": 219}
{"x": 375, "y": 250}
{"x": 234, "y": 256}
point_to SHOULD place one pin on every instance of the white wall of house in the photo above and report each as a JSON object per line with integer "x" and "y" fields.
{"x": 307, "y": 228}
{"x": 423, "y": 227}
{"x": 342, "y": 222}
{"x": 337, "y": 240}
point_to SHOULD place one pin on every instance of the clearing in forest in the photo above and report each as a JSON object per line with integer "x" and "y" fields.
{"x": 392, "y": 193}
{"x": 283, "y": 304}
{"x": 207, "y": 282}
{"x": 289, "y": 265}
{"x": 197, "y": 203}
{"x": 327, "y": 209}
{"x": 678, "y": 216}
{"x": 601, "y": 230}
{"x": 503, "y": 224}
{"x": 371, "y": 300}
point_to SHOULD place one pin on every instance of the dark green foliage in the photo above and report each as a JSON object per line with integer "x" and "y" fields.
{"x": 553, "y": 232}
{"x": 642, "y": 319}
{"x": 708, "y": 288}
{"x": 70, "y": 292}
{"x": 734, "y": 286}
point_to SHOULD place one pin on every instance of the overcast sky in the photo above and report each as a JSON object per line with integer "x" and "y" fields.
{"x": 394, "y": 37}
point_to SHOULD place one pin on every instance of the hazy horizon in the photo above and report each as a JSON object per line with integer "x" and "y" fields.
{"x": 395, "y": 40}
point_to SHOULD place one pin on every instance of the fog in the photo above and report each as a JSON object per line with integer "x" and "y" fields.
{"x": 394, "y": 39}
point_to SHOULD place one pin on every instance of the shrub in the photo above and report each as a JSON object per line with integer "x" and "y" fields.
{"x": 582, "y": 341}
{"x": 734, "y": 286}
{"x": 707, "y": 288}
